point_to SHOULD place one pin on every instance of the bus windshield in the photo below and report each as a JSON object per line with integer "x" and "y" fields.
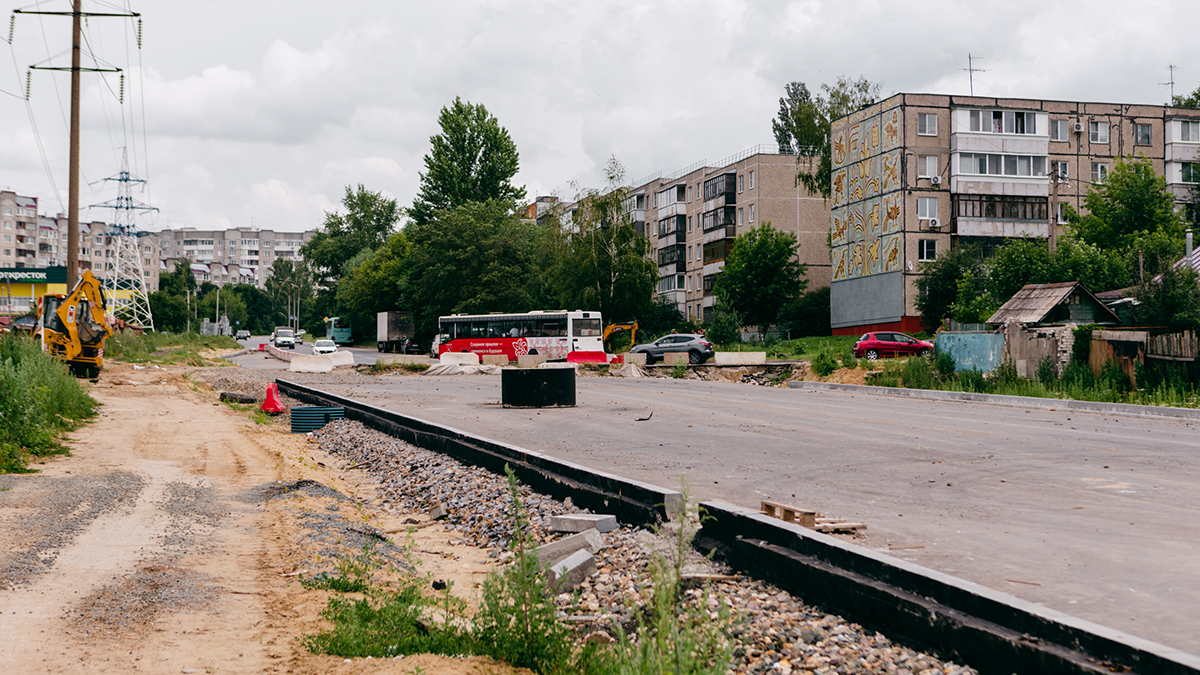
{"x": 586, "y": 328}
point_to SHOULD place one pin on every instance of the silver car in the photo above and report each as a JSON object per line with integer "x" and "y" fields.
{"x": 324, "y": 347}
{"x": 697, "y": 347}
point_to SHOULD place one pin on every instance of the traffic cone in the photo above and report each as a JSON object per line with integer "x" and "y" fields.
{"x": 272, "y": 404}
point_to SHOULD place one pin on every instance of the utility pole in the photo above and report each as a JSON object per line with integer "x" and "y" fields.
{"x": 971, "y": 70}
{"x": 77, "y": 14}
{"x": 1053, "y": 208}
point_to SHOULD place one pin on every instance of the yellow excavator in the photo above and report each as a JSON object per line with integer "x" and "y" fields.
{"x": 74, "y": 327}
{"x": 617, "y": 327}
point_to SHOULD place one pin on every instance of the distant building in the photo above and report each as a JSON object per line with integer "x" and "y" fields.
{"x": 693, "y": 215}
{"x": 918, "y": 174}
{"x": 235, "y": 256}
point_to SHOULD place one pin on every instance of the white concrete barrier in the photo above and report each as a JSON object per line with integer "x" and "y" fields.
{"x": 530, "y": 360}
{"x": 636, "y": 359}
{"x": 303, "y": 363}
{"x": 281, "y": 354}
{"x": 740, "y": 358}
{"x": 495, "y": 360}
{"x": 460, "y": 358}
{"x": 341, "y": 358}
{"x": 387, "y": 359}
{"x": 675, "y": 358}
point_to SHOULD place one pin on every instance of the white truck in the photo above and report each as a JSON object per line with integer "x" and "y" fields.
{"x": 283, "y": 338}
{"x": 394, "y": 333}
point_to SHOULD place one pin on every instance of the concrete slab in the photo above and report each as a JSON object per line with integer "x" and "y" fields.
{"x": 740, "y": 358}
{"x": 460, "y": 358}
{"x": 530, "y": 360}
{"x": 588, "y": 540}
{"x": 578, "y": 522}
{"x": 341, "y": 359}
{"x": 494, "y": 359}
{"x": 638, "y": 360}
{"x": 675, "y": 358}
{"x": 568, "y": 573}
{"x": 303, "y": 363}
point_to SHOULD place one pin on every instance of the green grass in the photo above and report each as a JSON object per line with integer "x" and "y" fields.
{"x": 798, "y": 348}
{"x": 41, "y": 401}
{"x": 165, "y": 348}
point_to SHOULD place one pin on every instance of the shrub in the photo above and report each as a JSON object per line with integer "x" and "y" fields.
{"x": 972, "y": 380}
{"x": 1006, "y": 373}
{"x": 1047, "y": 371}
{"x": 1113, "y": 378}
{"x": 848, "y": 358}
{"x": 824, "y": 364}
{"x": 1077, "y": 375}
{"x": 918, "y": 375}
{"x": 944, "y": 364}
{"x": 679, "y": 371}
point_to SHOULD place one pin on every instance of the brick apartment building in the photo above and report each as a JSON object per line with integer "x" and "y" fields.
{"x": 918, "y": 174}
{"x": 692, "y": 216}
{"x": 239, "y": 255}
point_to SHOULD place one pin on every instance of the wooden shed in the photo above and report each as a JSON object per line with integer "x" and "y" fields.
{"x": 1054, "y": 304}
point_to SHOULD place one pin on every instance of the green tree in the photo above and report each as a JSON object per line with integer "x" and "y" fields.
{"x": 1133, "y": 201}
{"x": 802, "y": 126}
{"x": 368, "y": 221}
{"x": 231, "y": 306}
{"x": 604, "y": 263}
{"x": 258, "y": 308}
{"x": 1172, "y": 300}
{"x": 289, "y": 285}
{"x": 1017, "y": 263}
{"x": 373, "y": 285}
{"x": 474, "y": 258}
{"x": 473, "y": 159}
{"x": 1191, "y": 100}
{"x": 170, "y": 311}
{"x": 975, "y": 301}
{"x": 807, "y": 316}
{"x": 761, "y": 275}
{"x": 937, "y": 285}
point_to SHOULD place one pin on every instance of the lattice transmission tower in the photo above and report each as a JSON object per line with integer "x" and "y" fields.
{"x": 126, "y": 281}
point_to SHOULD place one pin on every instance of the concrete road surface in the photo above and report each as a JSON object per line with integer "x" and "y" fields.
{"x": 1094, "y": 515}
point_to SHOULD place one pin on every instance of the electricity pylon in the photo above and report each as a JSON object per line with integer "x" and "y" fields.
{"x": 126, "y": 282}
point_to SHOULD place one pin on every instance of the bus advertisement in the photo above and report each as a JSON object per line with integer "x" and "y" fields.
{"x": 549, "y": 333}
{"x": 338, "y": 330}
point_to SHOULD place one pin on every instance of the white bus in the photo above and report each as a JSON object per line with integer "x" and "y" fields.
{"x": 550, "y": 333}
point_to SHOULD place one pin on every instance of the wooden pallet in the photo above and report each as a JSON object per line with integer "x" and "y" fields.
{"x": 810, "y": 519}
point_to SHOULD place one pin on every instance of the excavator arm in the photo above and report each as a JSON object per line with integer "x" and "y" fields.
{"x": 617, "y": 327}
{"x": 76, "y": 329}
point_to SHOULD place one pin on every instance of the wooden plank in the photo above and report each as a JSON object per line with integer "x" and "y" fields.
{"x": 841, "y": 527}
{"x": 789, "y": 513}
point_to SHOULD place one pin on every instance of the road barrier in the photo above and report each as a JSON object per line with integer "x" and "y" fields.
{"x": 994, "y": 632}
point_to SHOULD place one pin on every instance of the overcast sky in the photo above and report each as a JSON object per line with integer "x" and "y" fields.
{"x": 261, "y": 112}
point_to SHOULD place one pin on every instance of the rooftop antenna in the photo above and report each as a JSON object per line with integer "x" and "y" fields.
{"x": 971, "y": 70}
{"x": 1171, "y": 69}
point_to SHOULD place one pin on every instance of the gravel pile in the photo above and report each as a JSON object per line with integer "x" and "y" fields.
{"x": 53, "y": 511}
{"x": 775, "y": 632}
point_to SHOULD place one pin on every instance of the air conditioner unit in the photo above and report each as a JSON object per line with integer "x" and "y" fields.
{"x": 934, "y": 223}
{"x": 1079, "y": 127}
{"x": 935, "y": 180}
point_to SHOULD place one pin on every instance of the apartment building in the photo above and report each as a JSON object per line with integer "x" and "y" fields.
{"x": 235, "y": 256}
{"x": 693, "y": 215}
{"x": 30, "y": 240}
{"x": 918, "y": 174}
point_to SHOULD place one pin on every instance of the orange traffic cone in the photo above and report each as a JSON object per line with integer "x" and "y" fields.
{"x": 272, "y": 404}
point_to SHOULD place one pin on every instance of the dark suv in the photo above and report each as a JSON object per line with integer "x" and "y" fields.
{"x": 697, "y": 347}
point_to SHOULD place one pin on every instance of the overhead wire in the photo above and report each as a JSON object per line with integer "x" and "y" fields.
{"x": 37, "y": 136}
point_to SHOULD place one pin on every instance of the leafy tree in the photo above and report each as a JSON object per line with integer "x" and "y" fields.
{"x": 726, "y": 326}
{"x": 474, "y": 258}
{"x": 368, "y": 221}
{"x": 802, "y": 125}
{"x": 231, "y": 306}
{"x": 761, "y": 275}
{"x": 1096, "y": 269}
{"x": 178, "y": 281}
{"x": 1133, "y": 201}
{"x": 473, "y": 159}
{"x": 1017, "y": 263}
{"x": 937, "y": 285}
{"x": 373, "y": 285}
{"x": 170, "y": 311}
{"x": 258, "y": 308}
{"x": 289, "y": 285}
{"x": 1191, "y": 100}
{"x": 807, "y": 316}
{"x": 974, "y": 301}
{"x": 1172, "y": 300}
{"x": 661, "y": 317}
{"x": 604, "y": 264}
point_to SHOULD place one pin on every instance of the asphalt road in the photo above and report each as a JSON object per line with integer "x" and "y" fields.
{"x": 362, "y": 355}
{"x": 1094, "y": 515}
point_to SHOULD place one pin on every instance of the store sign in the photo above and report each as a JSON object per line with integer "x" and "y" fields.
{"x": 33, "y": 275}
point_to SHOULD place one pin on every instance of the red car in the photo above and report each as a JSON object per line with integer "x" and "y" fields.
{"x": 878, "y": 345}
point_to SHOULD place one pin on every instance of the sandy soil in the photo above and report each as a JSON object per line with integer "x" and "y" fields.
{"x": 191, "y": 576}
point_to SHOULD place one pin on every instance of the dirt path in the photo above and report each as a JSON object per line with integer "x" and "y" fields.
{"x": 154, "y": 547}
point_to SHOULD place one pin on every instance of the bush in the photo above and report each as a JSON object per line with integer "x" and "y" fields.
{"x": 848, "y": 358}
{"x": 944, "y": 364}
{"x": 823, "y": 364}
{"x": 1047, "y": 371}
{"x": 725, "y": 327}
{"x": 1113, "y": 378}
{"x": 917, "y": 374}
{"x": 1006, "y": 373}
{"x": 1077, "y": 375}
{"x": 972, "y": 380}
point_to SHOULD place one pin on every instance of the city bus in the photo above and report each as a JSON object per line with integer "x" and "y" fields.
{"x": 338, "y": 330}
{"x": 550, "y": 333}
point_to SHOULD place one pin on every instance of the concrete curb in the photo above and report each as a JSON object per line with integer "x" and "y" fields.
{"x": 241, "y": 353}
{"x": 992, "y": 631}
{"x": 1011, "y": 401}
{"x": 989, "y": 630}
{"x": 629, "y": 500}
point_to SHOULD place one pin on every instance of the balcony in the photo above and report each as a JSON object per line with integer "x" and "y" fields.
{"x": 673, "y": 228}
{"x": 671, "y": 257}
{"x": 720, "y": 191}
{"x": 719, "y": 224}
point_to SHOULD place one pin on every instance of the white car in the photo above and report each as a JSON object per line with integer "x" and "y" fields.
{"x": 324, "y": 347}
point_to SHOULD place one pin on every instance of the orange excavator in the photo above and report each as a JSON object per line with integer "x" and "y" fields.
{"x": 618, "y": 327}
{"x": 74, "y": 327}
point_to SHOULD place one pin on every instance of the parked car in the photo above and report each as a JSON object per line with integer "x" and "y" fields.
{"x": 882, "y": 344}
{"x": 242, "y": 335}
{"x": 409, "y": 345}
{"x": 324, "y": 347}
{"x": 697, "y": 347}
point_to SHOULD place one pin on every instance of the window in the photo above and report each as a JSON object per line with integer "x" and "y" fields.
{"x": 1003, "y": 122}
{"x": 1062, "y": 212}
{"x": 1061, "y": 171}
{"x": 7, "y": 251}
{"x": 689, "y": 223}
{"x": 1001, "y": 165}
{"x": 752, "y": 213}
{"x": 926, "y": 124}
{"x": 751, "y": 183}
{"x": 1099, "y": 171}
{"x": 927, "y": 166}
{"x": 1098, "y": 132}
{"x": 926, "y": 207}
{"x": 741, "y": 219}
{"x": 1141, "y": 134}
{"x": 1058, "y": 130}
{"x": 1191, "y": 172}
{"x": 689, "y": 258}
{"x": 926, "y": 249}
{"x": 740, "y": 183}
{"x": 689, "y": 194}
{"x": 1189, "y": 132}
